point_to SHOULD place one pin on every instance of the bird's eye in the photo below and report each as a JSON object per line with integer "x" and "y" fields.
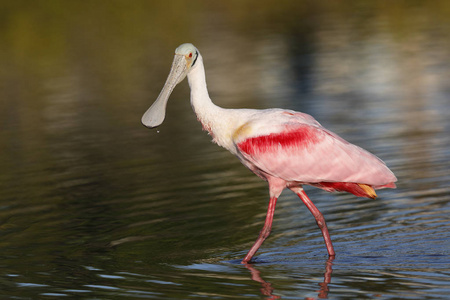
{"x": 190, "y": 55}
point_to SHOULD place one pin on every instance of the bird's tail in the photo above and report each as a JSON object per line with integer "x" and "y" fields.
{"x": 357, "y": 189}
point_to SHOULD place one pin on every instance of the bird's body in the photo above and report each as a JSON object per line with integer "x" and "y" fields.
{"x": 286, "y": 148}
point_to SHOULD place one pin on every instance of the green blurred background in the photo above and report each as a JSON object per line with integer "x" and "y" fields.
{"x": 93, "y": 202}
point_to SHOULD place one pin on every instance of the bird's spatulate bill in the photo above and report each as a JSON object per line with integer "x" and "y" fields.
{"x": 154, "y": 116}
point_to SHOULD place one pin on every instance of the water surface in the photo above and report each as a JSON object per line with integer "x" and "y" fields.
{"x": 93, "y": 205}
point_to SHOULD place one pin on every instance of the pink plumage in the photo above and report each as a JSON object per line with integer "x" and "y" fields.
{"x": 310, "y": 154}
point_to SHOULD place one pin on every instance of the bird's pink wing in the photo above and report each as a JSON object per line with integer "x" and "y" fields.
{"x": 306, "y": 152}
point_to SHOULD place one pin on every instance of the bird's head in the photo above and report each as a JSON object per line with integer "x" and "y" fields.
{"x": 186, "y": 56}
{"x": 190, "y": 54}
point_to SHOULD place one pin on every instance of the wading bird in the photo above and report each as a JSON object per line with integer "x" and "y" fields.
{"x": 286, "y": 148}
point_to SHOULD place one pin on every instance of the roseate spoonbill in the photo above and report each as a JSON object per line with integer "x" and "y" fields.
{"x": 286, "y": 148}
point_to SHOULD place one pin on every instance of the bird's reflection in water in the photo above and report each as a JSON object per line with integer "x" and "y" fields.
{"x": 266, "y": 287}
{"x": 323, "y": 292}
{"x": 268, "y": 290}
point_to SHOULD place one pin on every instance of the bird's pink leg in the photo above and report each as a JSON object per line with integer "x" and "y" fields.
{"x": 264, "y": 233}
{"x": 320, "y": 220}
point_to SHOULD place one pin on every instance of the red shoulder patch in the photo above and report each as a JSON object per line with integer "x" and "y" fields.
{"x": 301, "y": 137}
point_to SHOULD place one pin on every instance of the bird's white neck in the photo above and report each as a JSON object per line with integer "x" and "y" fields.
{"x": 202, "y": 104}
{"x": 220, "y": 122}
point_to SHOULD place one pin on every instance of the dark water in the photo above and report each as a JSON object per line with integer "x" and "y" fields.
{"x": 95, "y": 206}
